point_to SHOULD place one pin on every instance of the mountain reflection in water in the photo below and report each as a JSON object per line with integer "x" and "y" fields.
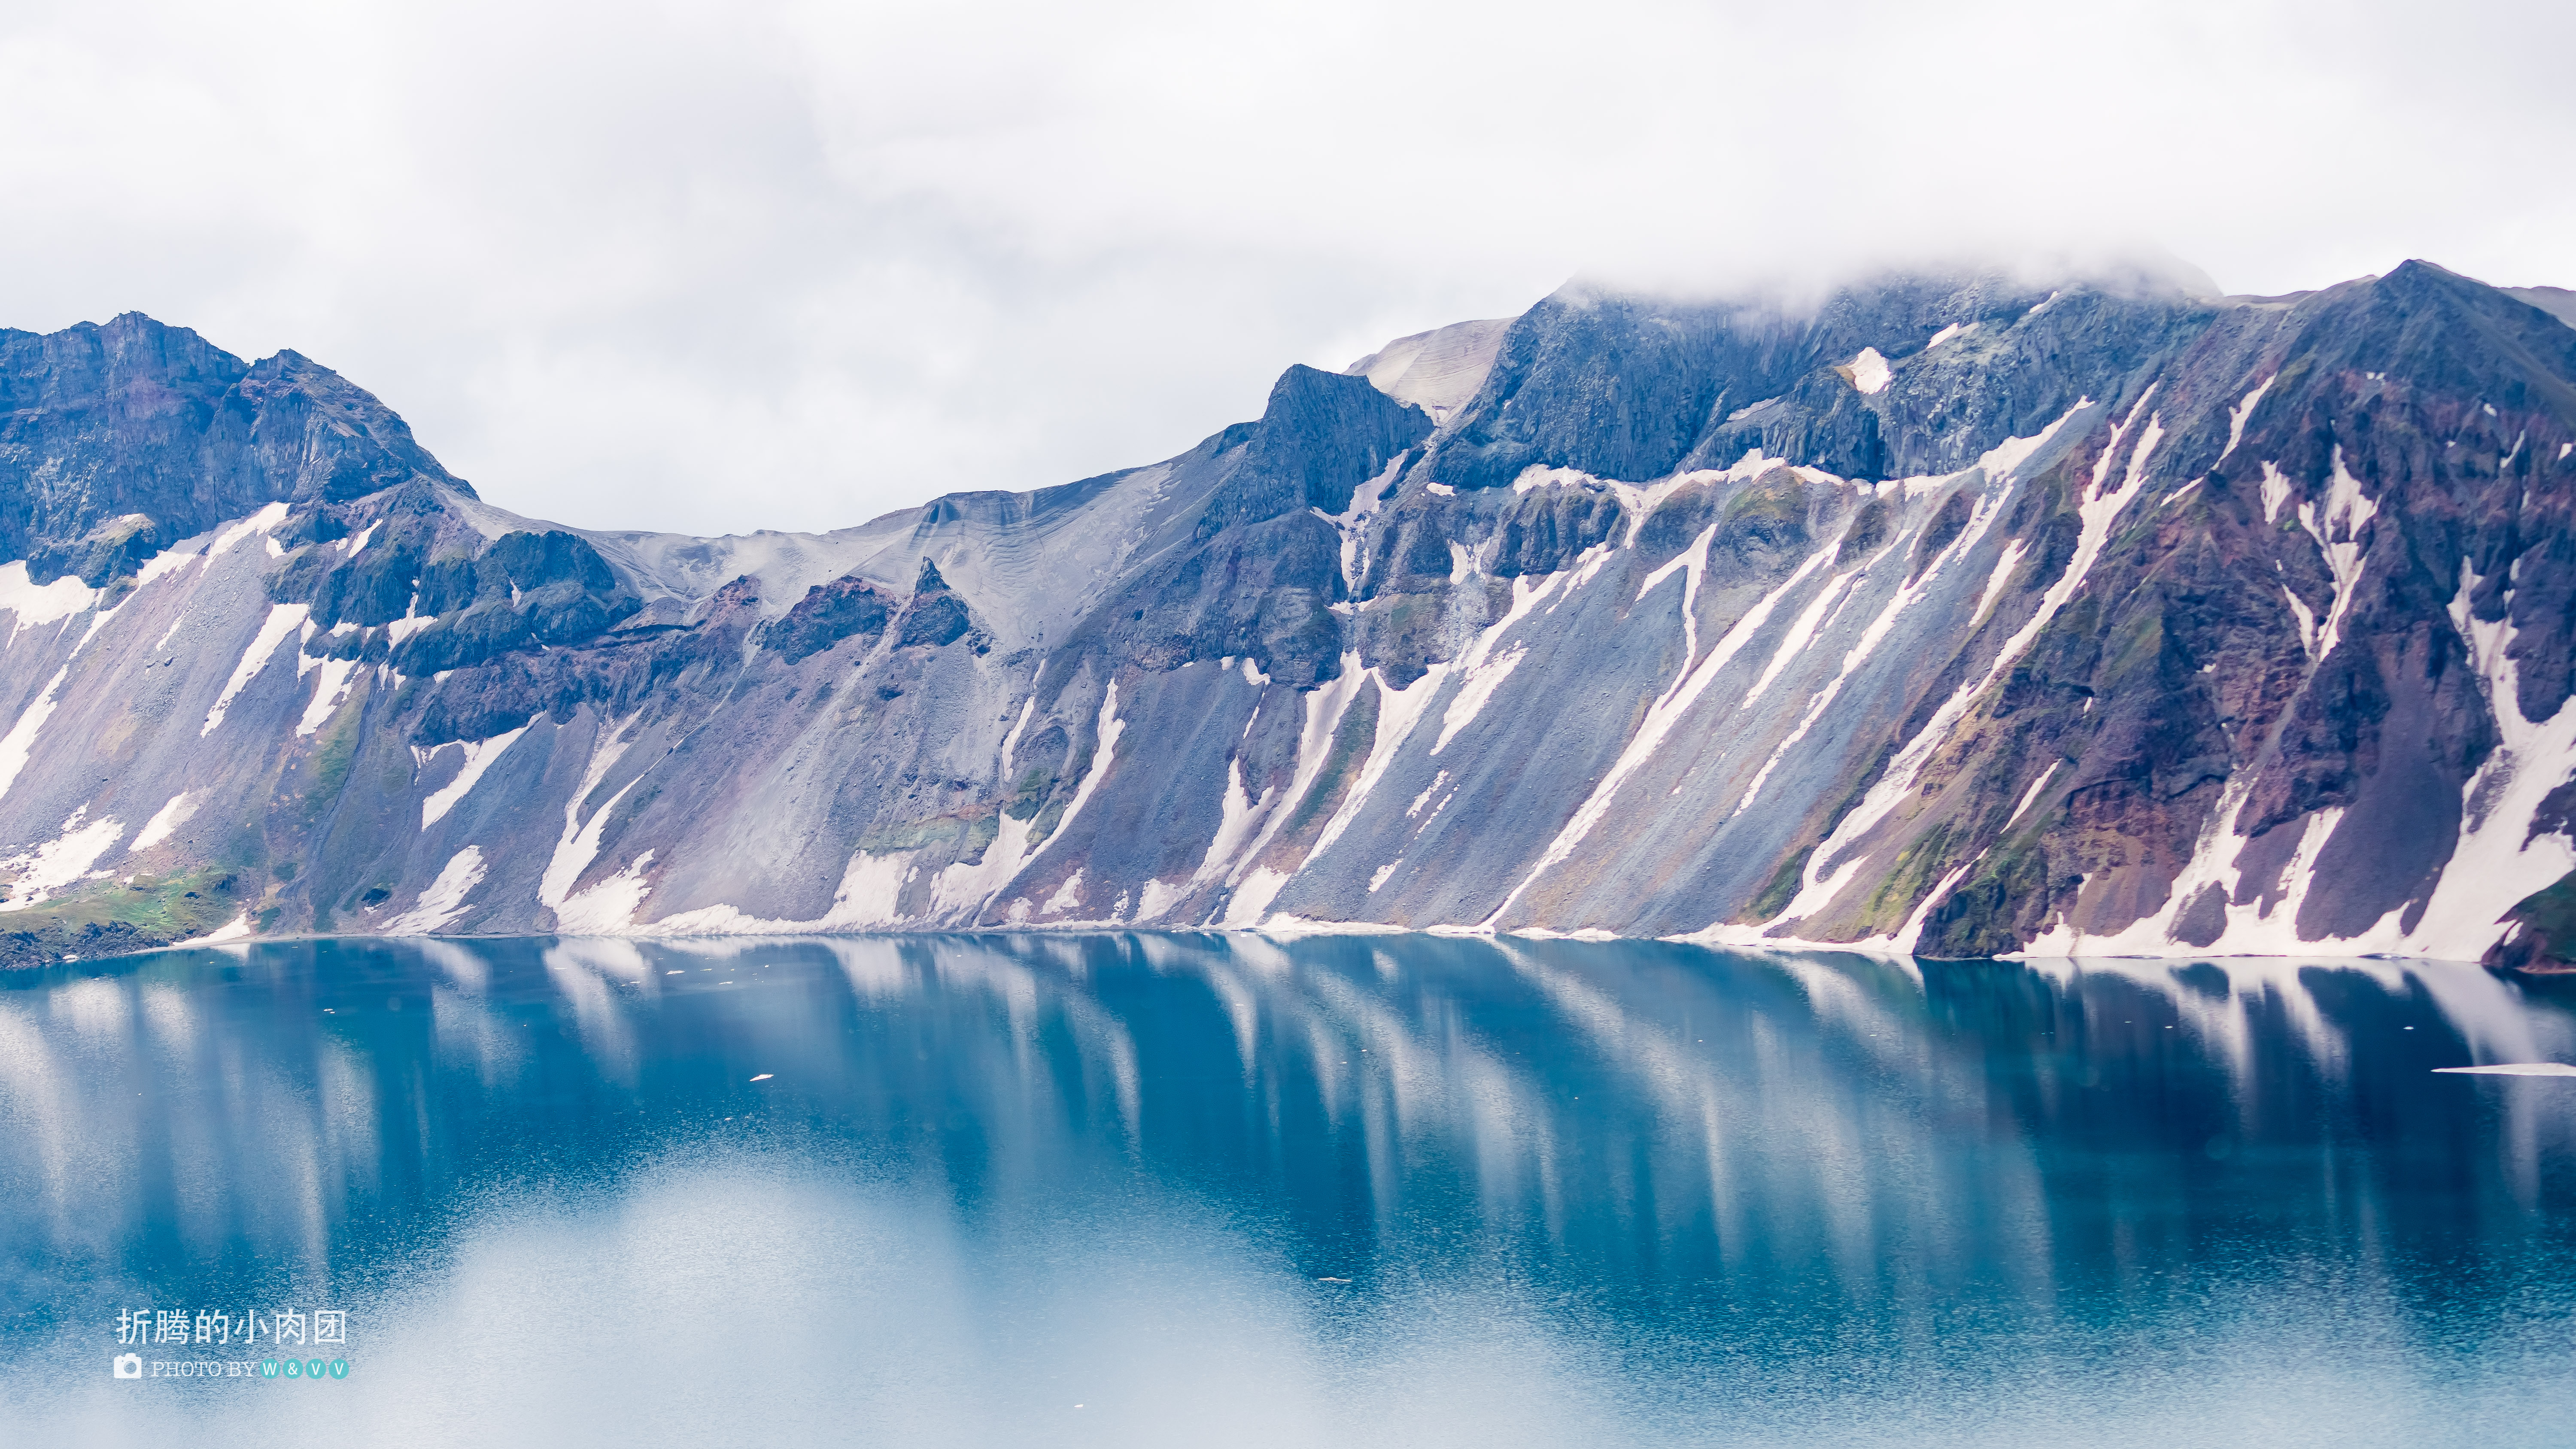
{"x": 1580, "y": 1193}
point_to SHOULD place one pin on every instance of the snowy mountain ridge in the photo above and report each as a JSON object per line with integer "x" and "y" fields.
{"x": 1958, "y": 616}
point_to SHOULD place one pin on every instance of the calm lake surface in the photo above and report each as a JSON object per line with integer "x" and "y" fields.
{"x": 1144, "y": 1190}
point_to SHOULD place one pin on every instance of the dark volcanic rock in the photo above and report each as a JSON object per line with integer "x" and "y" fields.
{"x": 845, "y": 608}
{"x": 2540, "y": 934}
{"x": 1320, "y": 438}
{"x": 935, "y": 616}
{"x": 116, "y": 440}
{"x": 1954, "y": 614}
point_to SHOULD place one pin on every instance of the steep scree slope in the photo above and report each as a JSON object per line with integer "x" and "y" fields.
{"x": 1954, "y": 615}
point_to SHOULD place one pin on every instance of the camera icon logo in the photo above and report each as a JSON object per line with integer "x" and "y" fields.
{"x": 129, "y": 1365}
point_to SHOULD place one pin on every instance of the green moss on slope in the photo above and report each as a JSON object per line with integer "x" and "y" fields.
{"x": 112, "y": 918}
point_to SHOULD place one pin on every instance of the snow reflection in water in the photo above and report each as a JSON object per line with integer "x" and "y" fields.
{"x": 944, "y": 1189}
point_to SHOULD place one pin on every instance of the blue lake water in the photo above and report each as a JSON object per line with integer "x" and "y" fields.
{"x": 1145, "y": 1190}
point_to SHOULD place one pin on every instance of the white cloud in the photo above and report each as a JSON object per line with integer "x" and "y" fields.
{"x": 724, "y": 267}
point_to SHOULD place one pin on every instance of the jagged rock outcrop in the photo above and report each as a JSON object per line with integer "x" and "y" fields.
{"x": 117, "y": 441}
{"x": 1954, "y": 614}
{"x": 2540, "y": 932}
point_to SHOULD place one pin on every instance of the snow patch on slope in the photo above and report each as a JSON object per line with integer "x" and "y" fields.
{"x": 1242, "y": 816}
{"x": 479, "y": 755}
{"x": 1484, "y": 668}
{"x": 2498, "y": 860}
{"x": 607, "y": 907}
{"x": 1253, "y": 891}
{"x": 237, "y": 929}
{"x": 444, "y": 901}
{"x": 1661, "y": 717}
{"x": 579, "y": 844}
{"x": 283, "y": 619}
{"x": 2241, "y": 413}
{"x": 42, "y": 873}
{"x": 870, "y": 895}
{"x": 36, "y": 605}
{"x": 21, "y": 739}
{"x": 2337, "y": 529}
{"x": 165, "y": 821}
{"x": 1827, "y": 872}
{"x": 1398, "y": 711}
{"x": 257, "y": 524}
{"x": 328, "y": 691}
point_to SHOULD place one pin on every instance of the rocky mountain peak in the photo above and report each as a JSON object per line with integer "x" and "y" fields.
{"x": 118, "y": 440}
{"x": 1962, "y": 614}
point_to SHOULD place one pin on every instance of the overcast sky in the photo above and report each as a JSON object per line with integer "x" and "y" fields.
{"x": 718, "y": 267}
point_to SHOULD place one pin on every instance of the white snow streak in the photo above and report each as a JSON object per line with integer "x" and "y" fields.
{"x": 1398, "y": 711}
{"x": 1907, "y": 595}
{"x": 2337, "y": 530}
{"x": 1661, "y": 717}
{"x": 2307, "y": 622}
{"x": 21, "y": 739}
{"x": 2009, "y": 559}
{"x": 579, "y": 843}
{"x": 1011, "y": 741}
{"x": 45, "y": 870}
{"x": 2030, "y": 796}
{"x": 2276, "y": 491}
{"x": 444, "y": 901}
{"x": 2098, "y": 510}
{"x": 479, "y": 755}
{"x": 2496, "y": 863}
{"x": 1324, "y": 707}
{"x": 1438, "y": 780}
{"x": 1109, "y": 729}
{"x": 869, "y": 895}
{"x": 2251, "y": 928}
{"x": 328, "y": 691}
{"x": 1482, "y": 670}
{"x": 608, "y": 907}
{"x": 1068, "y": 896}
{"x": 966, "y": 887}
{"x": 1801, "y": 633}
{"x": 258, "y": 523}
{"x": 283, "y": 619}
{"x": 1475, "y": 687}
{"x": 236, "y": 929}
{"x": 165, "y": 821}
{"x": 1242, "y": 816}
{"x": 2243, "y": 412}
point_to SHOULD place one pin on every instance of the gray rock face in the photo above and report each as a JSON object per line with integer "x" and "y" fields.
{"x": 1952, "y": 615}
{"x": 117, "y": 441}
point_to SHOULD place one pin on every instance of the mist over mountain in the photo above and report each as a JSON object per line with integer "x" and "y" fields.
{"x": 1955, "y": 613}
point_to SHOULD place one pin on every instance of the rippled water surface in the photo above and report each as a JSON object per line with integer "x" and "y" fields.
{"x": 1195, "y": 1190}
